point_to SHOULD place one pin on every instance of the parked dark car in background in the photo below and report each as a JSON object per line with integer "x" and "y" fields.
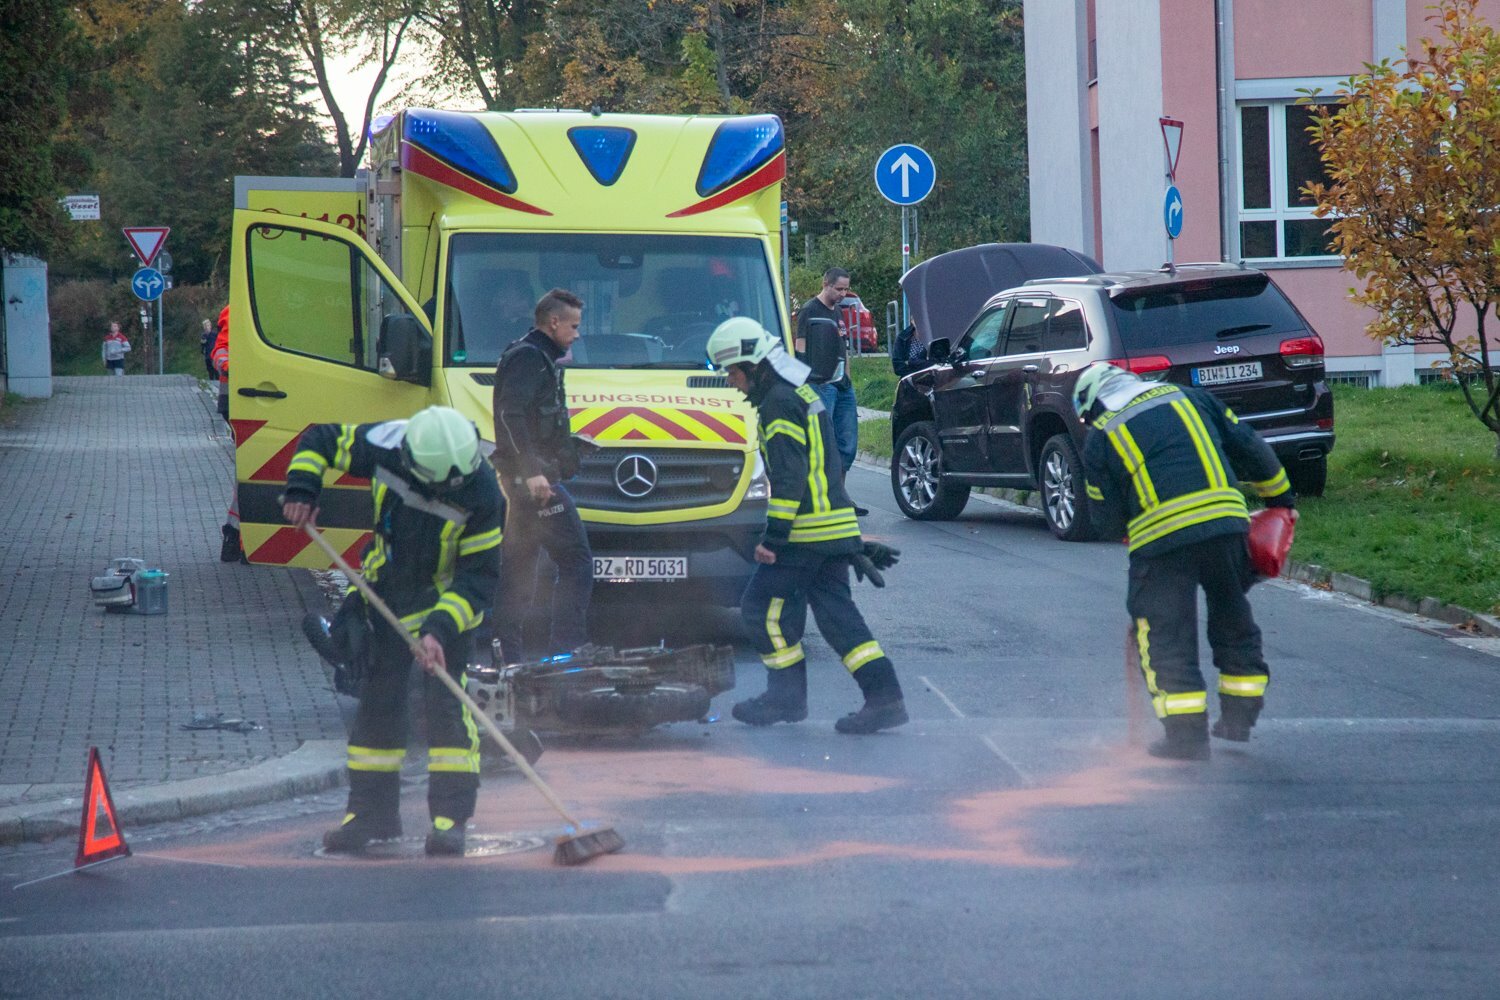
{"x": 994, "y": 408}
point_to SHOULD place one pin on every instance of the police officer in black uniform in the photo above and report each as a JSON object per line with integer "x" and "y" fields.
{"x": 1162, "y": 463}
{"x": 810, "y": 543}
{"x": 434, "y": 559}
{"x": 535, "y": 453}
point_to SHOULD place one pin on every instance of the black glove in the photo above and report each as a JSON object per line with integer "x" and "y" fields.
{"x": 865, "y": 569}
{"x": 874, "y": 557}
{"x": 1287, "y": 500}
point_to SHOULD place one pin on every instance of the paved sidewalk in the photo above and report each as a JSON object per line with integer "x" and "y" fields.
{"x": 140, "y": 466}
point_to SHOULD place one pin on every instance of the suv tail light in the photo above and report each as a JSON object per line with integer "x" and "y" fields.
{"x": 1304, "y": 352}
{"x": 1151, "y": 367}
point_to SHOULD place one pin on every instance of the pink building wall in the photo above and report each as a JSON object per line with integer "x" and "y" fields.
{"x": 1290, "y": 38}
{"x": 1190, "y": 94}
{"x": 1418, "y": 28}
{"x": 1322, "y": 296}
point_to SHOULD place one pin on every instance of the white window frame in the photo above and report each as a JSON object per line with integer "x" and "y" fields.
{"x": 1281, "y": 211}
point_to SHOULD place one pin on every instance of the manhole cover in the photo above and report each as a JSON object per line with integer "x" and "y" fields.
{"x": 476, "y": 845}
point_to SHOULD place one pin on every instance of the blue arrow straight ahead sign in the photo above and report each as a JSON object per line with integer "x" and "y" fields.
{"x": 905, "y": 174}
{"x": 148, "y": 284}
{"x": 1171, "y": 211}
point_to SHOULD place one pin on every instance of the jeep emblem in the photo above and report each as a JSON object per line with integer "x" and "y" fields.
{"x": 1227, "y": 349}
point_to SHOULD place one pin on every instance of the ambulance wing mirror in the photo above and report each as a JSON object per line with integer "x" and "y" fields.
{"x": 405, "y": 350}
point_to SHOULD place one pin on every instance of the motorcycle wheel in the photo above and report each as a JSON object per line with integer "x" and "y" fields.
{"x": 623, "y": 707}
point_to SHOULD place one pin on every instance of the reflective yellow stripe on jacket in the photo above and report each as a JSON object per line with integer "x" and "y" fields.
{"x": 823, "y": 522}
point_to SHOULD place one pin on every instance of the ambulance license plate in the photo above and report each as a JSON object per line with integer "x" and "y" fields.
{"x": 1245, "y": 371}
{"x": 622, "y": 568}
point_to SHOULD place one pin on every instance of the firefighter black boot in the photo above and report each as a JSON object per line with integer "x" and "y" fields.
{"x": 445, "y": 838}
{"x": 884, "y": 708}
{"x": 374, "y": 812}
{"x": 1237, "y": 717}
{"x": 785, "y": 699}
{"x": 230, "y": 551}
{"x": 1186, "y": 739}
{"x": 357, "y": 831}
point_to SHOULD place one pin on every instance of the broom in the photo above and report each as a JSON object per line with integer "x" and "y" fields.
{"x": 572, "y": 849}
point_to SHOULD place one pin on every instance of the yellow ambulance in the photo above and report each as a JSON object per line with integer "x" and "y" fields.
{"x": 369, "y": 298}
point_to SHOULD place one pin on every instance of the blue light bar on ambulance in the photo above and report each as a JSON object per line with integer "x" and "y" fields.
{"x": 463, "y": 143}
{"x": 739, "y": 148}
{"x": 604, "y": 149}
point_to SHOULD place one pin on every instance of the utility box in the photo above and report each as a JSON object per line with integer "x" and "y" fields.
{"x": 27, "y": 334}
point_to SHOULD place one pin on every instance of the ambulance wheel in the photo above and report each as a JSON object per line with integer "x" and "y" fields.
{"x": 627, "y": 707}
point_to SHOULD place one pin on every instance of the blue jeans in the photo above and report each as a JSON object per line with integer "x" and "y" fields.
{"x": 838, "y": 400}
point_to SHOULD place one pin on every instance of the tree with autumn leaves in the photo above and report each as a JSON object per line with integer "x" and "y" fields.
{"x": 1412, "y": 152}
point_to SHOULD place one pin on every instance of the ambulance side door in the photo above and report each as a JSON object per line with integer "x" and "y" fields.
{"x": 308, "y": 304}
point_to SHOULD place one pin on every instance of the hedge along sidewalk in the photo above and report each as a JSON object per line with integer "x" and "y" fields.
{"x": 1311, "y": 574}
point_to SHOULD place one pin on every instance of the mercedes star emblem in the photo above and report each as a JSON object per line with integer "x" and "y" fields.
{"x": 635, "y": 476}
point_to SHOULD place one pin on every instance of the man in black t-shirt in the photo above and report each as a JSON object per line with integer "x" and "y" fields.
{"x": 821, "y": 346}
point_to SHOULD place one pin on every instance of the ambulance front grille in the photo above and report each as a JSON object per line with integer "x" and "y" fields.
{"x": 680, "y": 478}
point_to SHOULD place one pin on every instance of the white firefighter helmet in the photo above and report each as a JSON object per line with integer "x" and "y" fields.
{"x": 441, "y": 446}
{"x": 1091, "y": 382}
{"x": 741, "y": 340}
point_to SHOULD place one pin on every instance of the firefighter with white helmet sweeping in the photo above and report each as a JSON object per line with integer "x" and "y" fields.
{"x": 811, "y": 541}
{"x": 435, "y": 559}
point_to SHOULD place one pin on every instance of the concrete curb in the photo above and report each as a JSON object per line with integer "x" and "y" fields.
{"x": 1309, "y": 573}
{"x": 315, "y": 766}
{"x": 1428, "y": 607}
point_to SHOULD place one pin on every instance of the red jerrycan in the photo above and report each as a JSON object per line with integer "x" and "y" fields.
{"x": 1271, "y": 532}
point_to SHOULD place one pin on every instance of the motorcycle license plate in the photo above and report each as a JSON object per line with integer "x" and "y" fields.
{"x": 623, "y": 568}
{"x": 1245, "y": 371}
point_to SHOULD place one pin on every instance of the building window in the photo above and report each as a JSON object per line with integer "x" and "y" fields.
{"x": 1277, "y": 159}
{"x": 1360, "y": 380}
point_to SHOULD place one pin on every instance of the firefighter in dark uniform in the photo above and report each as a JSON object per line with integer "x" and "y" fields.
{"x": 434, "y": 560}
{"x": 535, "y": 453}
{"x": 1162, "y": 463}
{"x": 810, "y": 543}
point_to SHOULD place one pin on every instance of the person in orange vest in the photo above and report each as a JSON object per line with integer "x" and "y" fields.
{"x": 231, "y": 550}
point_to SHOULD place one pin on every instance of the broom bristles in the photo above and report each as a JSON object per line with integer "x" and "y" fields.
{"x": 577, "y": 850}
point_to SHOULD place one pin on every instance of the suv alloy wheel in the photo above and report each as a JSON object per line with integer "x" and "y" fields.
{"x": 1060, "y": 475}
{"x": 916, "y": 477}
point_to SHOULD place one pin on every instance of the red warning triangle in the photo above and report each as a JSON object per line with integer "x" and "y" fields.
{"x": 98, "y": 841}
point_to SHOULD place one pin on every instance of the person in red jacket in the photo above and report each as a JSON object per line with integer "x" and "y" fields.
{"x": 231, "y": 550}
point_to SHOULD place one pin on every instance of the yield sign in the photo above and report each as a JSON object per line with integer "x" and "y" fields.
{"x": 147, "y": 241}
{"x": 1171, "y": 135}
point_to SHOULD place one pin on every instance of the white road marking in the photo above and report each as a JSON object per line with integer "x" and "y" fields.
{"x": 188, "y": 861}
{"x": 1026, "y": 781}
{"x": 993, "y": 747}
{"x": 946, "y": 700}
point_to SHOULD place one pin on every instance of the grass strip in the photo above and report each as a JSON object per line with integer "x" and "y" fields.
{"x": 1412, "y": 498}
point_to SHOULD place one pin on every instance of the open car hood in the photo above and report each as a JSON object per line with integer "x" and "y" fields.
{"x": 945, "y": 293}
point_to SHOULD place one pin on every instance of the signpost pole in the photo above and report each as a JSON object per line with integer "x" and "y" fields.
{"x": 904, "y": 175}
{"x": 1171, "y": 136}
{"x": 161, "y": 361}
{"x": 905, "y": 255}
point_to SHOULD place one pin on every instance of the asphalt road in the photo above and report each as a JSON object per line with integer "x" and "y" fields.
{"x": 1012, "y": 841}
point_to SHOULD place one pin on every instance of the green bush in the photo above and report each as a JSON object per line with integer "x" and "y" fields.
{"x": 81, "y": 312}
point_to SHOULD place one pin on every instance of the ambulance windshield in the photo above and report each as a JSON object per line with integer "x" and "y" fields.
{"x": 649, "y": 301}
